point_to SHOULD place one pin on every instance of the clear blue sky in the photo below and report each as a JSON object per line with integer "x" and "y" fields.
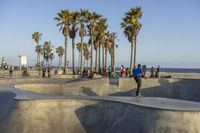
{"x": 170, "y": 35}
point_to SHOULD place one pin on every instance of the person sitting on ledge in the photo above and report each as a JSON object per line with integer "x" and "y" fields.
{"x": 92, "y": 75}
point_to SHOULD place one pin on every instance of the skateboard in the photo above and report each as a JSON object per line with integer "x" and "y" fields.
{"x": 139, "y": 96}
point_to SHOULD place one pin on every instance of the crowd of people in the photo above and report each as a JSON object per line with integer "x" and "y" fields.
{"x": 155, "y": 72}
{"x": 124, "y": 72}
{"x": 104, "y": 72}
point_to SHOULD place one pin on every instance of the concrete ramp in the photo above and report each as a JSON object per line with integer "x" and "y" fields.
{"x": 184, "y": 89}
{"x": 101, "y": 115}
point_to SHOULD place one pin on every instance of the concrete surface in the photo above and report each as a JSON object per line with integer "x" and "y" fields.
{"x": 184, "y": 89}
{"x": 99, "y": 106}
{"x": 95, "y": 116}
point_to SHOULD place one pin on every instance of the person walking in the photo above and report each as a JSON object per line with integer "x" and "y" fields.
{"x": 144, "y": 68}
{"x": 158, "y": 72}
{"x": 11, "y": 71}
{"x": 49, "y": 71}
{"x": 109, "y": 71}
{"x": 121, "y": 69}
{"x": 152, "y": 72}
{"x": 137, "y": 73}
{"x": 127, "y": 72}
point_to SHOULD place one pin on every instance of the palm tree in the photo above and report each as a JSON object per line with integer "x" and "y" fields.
{"x": 111, "y": 47}
{"x": 83, "y": 18}
{"x": 100, "y": 39}
{"x": 107, "y": 46}
{"x": 104, "y": 27}
{"x": 36, "y": 36}
{"x": 85, "y": 49}
{"x": 92, "y": 18}
{"x": 51, "y": 57}
{"x": 87, "y": 56}
{"x": 38, "y": 50}
{"x": 63, "y": 19}
{"x": 73, "y": 21}
{"x": 96, "y": 48}
{"x": 78, "y": 46}
{"x": 47, "y": 51}
{"x": 85, "y": 52}
{"x": 60, "y": 51}
{"x": 132, "y": 27}
{"x": 113, "y": 37}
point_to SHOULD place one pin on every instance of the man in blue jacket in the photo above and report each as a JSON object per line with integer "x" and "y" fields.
{"x": 137, "y": 73}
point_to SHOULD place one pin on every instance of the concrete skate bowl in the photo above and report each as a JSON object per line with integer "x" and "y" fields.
{"x": 99, "y": 106}
{"x": 184, "y": 89}
{"x": 99, "y": 115}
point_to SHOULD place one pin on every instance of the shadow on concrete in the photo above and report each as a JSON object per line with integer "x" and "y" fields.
{"x": 88, "y": 91}
{"x": 113, "y": 117}
{"x": 184, "y": 89}
{"x": 6, "y": 104}
{"x": 79, "y": 80}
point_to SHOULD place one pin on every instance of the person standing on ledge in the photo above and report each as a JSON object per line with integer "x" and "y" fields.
{"x": 137, "y": 73}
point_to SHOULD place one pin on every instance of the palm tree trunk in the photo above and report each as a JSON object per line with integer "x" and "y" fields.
{"x": 37, "y": 58}
{"x": 103, "y": 55}
{"x": 46, "y": 64}
{"x": 73, "y": 55}
{"x": 99, "y": 56}
{"x": 37, "y": 55}
{"x": 135, "y": 52}
{"x": 81, "y": 62}
{"x": 91, "y": 60}
{"x": 96, "y": 61}
{"x": 106, "y": 53}
{"x": 51, "y": 63}
{"x": 87, "y": 63}
{"x": 66, "y": 63}
{"x": 84, "y": 63}
{"x": 131, "y": 59}
{"x": 61, "y": 60}
{"x": 111, "y": 61}
{"x": 43, "y": 61}
{"x": 59, "y": 64}
{"x": 114, "y": 57}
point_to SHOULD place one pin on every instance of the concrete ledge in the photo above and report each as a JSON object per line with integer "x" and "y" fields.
{"x": 145, "y": 102}
{"x": 99, "y": 115}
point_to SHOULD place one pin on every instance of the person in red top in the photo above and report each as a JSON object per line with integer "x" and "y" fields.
{"x": 123, "y": 71}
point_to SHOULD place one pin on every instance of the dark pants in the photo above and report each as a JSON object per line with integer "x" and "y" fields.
{"x": 139, "y": 83}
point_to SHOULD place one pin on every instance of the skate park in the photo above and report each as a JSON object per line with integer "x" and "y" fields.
{"x": 99, "y": 105}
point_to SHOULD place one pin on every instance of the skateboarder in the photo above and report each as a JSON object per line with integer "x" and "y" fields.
{"x": 137, "y": 73}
